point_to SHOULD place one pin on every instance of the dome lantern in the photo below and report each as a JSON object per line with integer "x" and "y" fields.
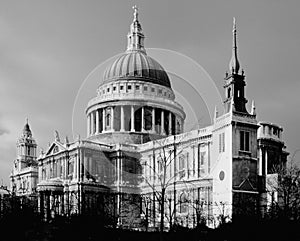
{"x": 135, "y": 64}
{"x": 135, "y": 37}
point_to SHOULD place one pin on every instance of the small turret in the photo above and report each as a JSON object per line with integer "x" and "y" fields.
{"x": 253, "y": 108}
{"x": 216, "y": 113}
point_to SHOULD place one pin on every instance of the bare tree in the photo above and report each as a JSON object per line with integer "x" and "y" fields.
{"x": 164, "y": 155}
{"x": 223, "y": 216}
{"x": 283, "y": 189}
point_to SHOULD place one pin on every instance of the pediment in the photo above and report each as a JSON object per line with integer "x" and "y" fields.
{"x": 54, "y": 148}
{"x": 246, "y": 185}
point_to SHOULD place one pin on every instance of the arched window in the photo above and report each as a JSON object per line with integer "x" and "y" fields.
{"x": 43, "y": 174}
{"x": 182, "y": 166}
{"x": 183, "y": 203}
{"x": 108, "y": 120}
{"x": 228, "y": 92}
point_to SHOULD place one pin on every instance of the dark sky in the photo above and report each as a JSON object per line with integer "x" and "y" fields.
{"x": 48, "y": 48}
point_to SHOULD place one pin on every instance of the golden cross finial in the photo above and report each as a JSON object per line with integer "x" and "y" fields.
{"x": 135, "y": 13}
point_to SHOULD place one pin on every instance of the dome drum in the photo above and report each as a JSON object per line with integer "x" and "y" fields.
{"x": 133, "y": 88}
{"x": 128, "y": 119}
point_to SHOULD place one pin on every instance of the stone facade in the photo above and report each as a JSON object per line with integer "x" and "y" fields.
{"x": 136, "y": 151}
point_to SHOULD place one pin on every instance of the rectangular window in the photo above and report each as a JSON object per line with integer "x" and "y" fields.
{"x": 221, "y": 142}
{"x": 129, "y": 87}
{"x": 121, "y": 87}
{"x": 137, "y": 87}
{"x": 145, "y": 88}
{"x": 152, "y": 89}
{"x": 242, "y": 138}
{"x": 181, "y": 166}
{"x": 202, "y": 160}
{"x": 244, "y": 141}
{"x": 247, "y": 141}
{"x": 114, "y": 88}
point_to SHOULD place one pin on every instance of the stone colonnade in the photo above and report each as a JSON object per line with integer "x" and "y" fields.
{"x": 133, "y": 119}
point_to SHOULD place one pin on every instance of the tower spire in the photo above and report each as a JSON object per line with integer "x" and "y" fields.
{"x": 235, "y": 81}
{"x": 135, "y": 13}
{"x": 234, "y": 64}
{"x": 135, "y": 37}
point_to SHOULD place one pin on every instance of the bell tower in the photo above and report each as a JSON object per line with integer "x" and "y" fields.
{"x": 24, "y": 174}
{"x": 235, "y": 81}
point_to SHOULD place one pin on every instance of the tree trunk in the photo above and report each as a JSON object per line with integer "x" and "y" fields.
{"x": 162, "y": 209}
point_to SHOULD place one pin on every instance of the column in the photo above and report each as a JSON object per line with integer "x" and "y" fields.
{"x": 88, "y": 124}
{"x": 181, "y": 125}
{"x": 97, "y": 121}
{"x": 266, "y": 161}
{"x": 118, "y": 171}
{"x": 132, "y": 119}
{"x": 121, "y": 171}
{"x": 162, "y": 123}
{"x": 170, "y": 123}
{"x": 92, "y": 124}
{"x": 85, "y": 163}
{"x": 90, "y": 166}
{"x": 176, "y": 129}
{"x": 260, "y": 162}
{"x": 103, "y": 120}
{"x": 39, "y": 202}
{"x": 143, "y": 119}
{"x": 60, "y": 204}
{"x": 51, "y": 204}
{"x": 122, "y": 118}
{"x": 75, "y": 168}
{"x": 153, "y": 119}
{"x": 112, "y": 119}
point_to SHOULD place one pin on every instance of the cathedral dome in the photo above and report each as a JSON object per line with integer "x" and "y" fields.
{"x": 137, "y": 65}
{"x": 135, "y": 102}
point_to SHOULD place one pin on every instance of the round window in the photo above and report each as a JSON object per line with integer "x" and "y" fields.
{"x": 222, "y": 175}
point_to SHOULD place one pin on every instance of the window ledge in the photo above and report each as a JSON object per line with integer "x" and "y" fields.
{"x": 245, "y": 153}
